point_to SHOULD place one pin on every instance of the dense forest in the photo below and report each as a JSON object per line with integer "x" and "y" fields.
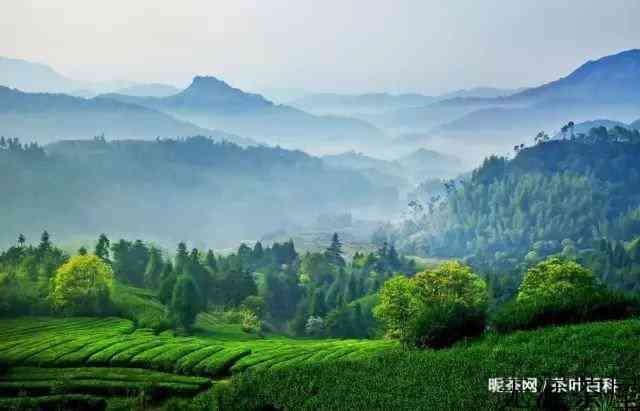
{"x": 577, "y": 196}
{"x": 196, "y": 188}
{"x": 269, "y": 288}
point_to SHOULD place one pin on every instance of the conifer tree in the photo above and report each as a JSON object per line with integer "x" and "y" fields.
{"x": 334, "y": 251}
{"x": 102, "y": 247}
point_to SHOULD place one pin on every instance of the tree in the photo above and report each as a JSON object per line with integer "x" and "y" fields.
{"x": 82, "y": 286}
{"x": 185, "y": 302}
{"x": 45, "y": 242}
{"x": 397, "y": 306}
{"x": 334, "y": 251}
{"x": 82, "y": 250}
{"x": 317, "y": 306}
{"x": 102, "y": 247}
{"x": 210, "y": 262}
{"x": 154, "y": 269}
{"x": 556, "y": 278}
{"x": 21, "y": 240}
{"x": 314, "y": 326}
{"x": 316, "y": 268}
{"x": 167, "y": 282}
{"x": 434, "y": 308}
{"x": 182, "y": 258}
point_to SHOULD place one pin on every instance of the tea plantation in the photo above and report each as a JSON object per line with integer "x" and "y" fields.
{"x": 88, "y": 363}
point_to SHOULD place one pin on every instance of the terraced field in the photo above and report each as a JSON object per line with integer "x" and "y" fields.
{"x": 111, "y": 357}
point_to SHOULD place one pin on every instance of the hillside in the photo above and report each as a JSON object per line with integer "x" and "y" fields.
{"x": 215, "y": 193}
{"x": 110, "y": 358}
{"x": 603, "y": 88}
{"x": 403, "y": 172}
{"x": 613, "y": 78}
{"x": 47, "y": 117}
{"x": 33, "y": 77}
{"x": 212, "y": 103}
{"x": 559, "y": 196}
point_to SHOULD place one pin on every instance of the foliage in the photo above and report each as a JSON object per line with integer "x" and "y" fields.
{"x": 185, "y": 302}
{"x": 314, "y": 326}
{"x": 82, "y": 285}
{"x": 556, "y": 279}
{"x": 434, "y": 308}
{"x": 250, "y": 322}
{"x": 560, "y": 196}
{"x": 602, "y": 305}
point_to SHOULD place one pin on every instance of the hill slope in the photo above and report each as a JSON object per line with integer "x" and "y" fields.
{"x": 608, "y": 87}
{"x": 46, "y": 117}
{"x": 212, "y": 103}
{"x": 214, "y": 193}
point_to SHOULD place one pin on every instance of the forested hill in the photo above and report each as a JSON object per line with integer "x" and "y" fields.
{"x": 167, "y": 190}
{"x": 559, "y": 196}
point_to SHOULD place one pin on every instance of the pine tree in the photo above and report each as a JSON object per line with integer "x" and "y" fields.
{"x": 211, "y": 262}
{"x": 102, "y": 247}
{"x": 154, "y": 269}
{"x": 45, "y": 242}
{"x": 167, "y": 282}
{"x": 317, "y": 306}
{"x": 258, "y": 251}
{"x": 182, "y": 258}
{"x": 185, "y": 302}
{"x": 359, "y": 326}
{"x": 351, "y": 291}
{"x": 334, "y": 251}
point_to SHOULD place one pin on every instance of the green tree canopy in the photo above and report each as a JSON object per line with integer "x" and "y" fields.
{"x": 434, "y": 308}
{"x": 556, "y": 278}
{"x": 185, "y": 302}
{"x": 82, "y": 286}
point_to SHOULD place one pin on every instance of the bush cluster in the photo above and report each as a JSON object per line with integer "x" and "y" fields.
{"x": 557, "y": 292}
{"x": 434, "y": 308}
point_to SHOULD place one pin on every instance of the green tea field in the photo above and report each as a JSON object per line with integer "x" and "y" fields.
{"x": 87, "y": 363}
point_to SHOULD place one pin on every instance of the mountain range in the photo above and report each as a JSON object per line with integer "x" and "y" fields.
{"x": 212, "y": 103}
{"x": 47, "y": 117}
{"x": 36, "y": 77}
{"x": 608, "y": 87}
{"x": 361, "y": 105}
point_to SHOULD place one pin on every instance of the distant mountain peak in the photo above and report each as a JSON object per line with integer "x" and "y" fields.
{"x": 614, "y": 77}
{"x": 209, "y": 91}
{"x": 208, "y": 83}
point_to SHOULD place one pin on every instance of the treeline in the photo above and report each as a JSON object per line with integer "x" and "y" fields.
{"x": 272, "y": 287}
{"x": 84, "y": 187}
{"x": 556, "y": 197}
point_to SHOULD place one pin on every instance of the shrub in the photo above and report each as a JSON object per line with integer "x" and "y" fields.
{"x": 250, "y": 322}
{"x": 434, "y": 308}
{"x": 556, "y": 278}
{"x": 82, "y": 285}
{"x": 598, "y": 306}
{"x": 558, "y": 291}
{"x": 314, "y": 326}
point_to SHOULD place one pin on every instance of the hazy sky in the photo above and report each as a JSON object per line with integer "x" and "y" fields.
{"x": 321, "y": 45}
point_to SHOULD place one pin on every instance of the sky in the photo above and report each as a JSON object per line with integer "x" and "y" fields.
{"x": 348, "y": 46}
